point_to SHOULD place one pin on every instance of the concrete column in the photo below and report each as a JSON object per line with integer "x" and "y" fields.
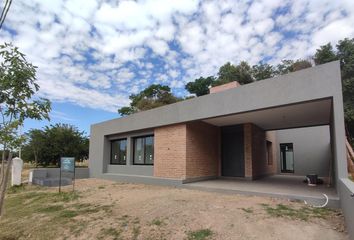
{"x": 106, "y": 153}
{"x": 129, "y": 151}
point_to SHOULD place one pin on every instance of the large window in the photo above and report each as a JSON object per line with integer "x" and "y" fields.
{"x": 144, "y": 150}
{"x": 119, "y": 152}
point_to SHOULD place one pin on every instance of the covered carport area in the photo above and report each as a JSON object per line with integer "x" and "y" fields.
{"x": 264, "y": 165}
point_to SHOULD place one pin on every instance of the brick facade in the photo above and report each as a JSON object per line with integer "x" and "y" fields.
{"x": 192, "y": 150}
{"x": 224, "y": 87}
{"x": 188, "y": 150}
{"x": 170, "y": 151}
{"x": 255, "y": 145}
{"x": 203, "y": 150}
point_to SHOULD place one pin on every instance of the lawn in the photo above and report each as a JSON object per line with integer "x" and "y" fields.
{"x": 102, "y": 209}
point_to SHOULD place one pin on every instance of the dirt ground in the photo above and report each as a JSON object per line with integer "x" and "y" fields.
{"x": 155, "y": 212}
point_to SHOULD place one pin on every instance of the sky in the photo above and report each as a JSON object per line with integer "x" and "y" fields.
{"x": 92, "y": 54}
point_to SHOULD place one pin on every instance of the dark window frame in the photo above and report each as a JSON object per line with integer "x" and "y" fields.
{"x": 144, "y": 157}
{"x": 126, "y": 151}
{"x": 282, "y": 170}
{"x": 269, "y": 152}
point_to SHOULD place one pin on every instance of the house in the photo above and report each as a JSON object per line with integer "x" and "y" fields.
{"x": 288, "y": 124}
{"x": 291, "y": 124}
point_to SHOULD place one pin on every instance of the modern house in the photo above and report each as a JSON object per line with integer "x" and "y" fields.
{"x": 290, "y": 125}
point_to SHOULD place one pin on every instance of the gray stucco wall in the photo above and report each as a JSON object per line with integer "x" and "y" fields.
{"x": 312, "y": 149}
{"x": 346, "y": 189}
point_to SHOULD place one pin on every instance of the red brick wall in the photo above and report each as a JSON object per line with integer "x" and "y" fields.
{"x": 170, "y": 151}
{"x": 256, "y": 162}
{"x": 224, "y": 87}
{"x": 203, "y": 150}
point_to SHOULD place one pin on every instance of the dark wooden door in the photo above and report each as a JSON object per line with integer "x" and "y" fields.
{"x": 232, "y": 151}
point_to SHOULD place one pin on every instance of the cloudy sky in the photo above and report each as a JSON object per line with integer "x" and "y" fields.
{"x": 92, "y": 54}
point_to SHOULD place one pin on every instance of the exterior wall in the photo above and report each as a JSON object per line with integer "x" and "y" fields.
{"x": 256, "y": 163}
{"x": 224, "y": 87}
{"x": 271, "y": 136}
{"x": 203, "y": 150}
{"x": 170, "y": 151}
{"x": 312, "y": 149}
{"x": 346, "y": 194}
{"x": 187, "y": 151}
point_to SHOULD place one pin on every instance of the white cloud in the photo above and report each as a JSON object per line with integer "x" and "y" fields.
{"x": 95, "y": 53}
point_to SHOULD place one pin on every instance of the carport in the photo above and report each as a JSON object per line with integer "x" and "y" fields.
{"x": 269, "y": 179}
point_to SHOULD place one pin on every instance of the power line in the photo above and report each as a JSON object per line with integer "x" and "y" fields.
{"x": 4, "y": 12}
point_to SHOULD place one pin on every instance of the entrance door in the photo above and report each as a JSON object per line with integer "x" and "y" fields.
{"x": 287, "y": 157}
{"x": 232, "y": 150}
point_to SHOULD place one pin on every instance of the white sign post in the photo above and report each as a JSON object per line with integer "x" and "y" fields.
{"x": 16, "y": 171}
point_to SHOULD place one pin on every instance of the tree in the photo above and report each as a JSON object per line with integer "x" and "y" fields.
{"x": 200, "y": 86}
{"x": 156, "y": 95}
{"x": 17, "y": 103}
{"x": 300, "y": 64}
{"x": 262, "y": 71}
{"x": 36, "y": 140}
{"x": 325, "y": 54}
{"x": 345, "y": 54}
{"x": 288, "y": 66}
{"x": 48, "y": 145}
{"x": 229, "y": 73}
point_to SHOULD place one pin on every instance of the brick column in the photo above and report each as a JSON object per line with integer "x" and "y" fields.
{"x": 247, "y": 131}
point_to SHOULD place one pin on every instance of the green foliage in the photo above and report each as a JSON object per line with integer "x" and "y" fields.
{"x": 229, "y": 73}
{"x": 46, "y": 146}
{"x": 300, "y": 64}
{"x": 154, "y": 96}
{"x": 345, "y": 54}
{"x": 288, "y": 66}
{"x": 325, "y": 54}
{"x": 201, "y": 234}
{"x": 262, "y": 71}
{"x": 17, "y": 88}
{"x": 200, "y": 86}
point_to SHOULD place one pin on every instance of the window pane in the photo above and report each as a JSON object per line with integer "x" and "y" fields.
{"x": 149, "y": 150}
{"x": 138, "y": 151}
{"x": 123, "y": 152}
{"x": 119, "y": 151}
{"x": 114, "y": 155}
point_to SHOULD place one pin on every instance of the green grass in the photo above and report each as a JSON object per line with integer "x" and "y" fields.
{"x": 201, "y": 234}
{"x": 303, "y": 213}
{"x": 113, "y": 232}
{"x": 101, "y": 187}
{"x": 42, "y": 214}
{"x": 157, "y": 222}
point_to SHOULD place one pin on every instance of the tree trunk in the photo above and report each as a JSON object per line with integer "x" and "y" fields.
{"x": 2, "y": 167}
{"x": 4, "y": 183}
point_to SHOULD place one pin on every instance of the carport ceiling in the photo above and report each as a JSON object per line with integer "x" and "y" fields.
{"x": 304, "y": 114}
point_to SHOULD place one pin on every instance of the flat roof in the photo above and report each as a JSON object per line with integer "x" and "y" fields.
{"x": 295, "y": 99}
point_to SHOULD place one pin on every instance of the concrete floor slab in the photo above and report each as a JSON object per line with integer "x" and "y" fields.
{"x": 279, "y": 186}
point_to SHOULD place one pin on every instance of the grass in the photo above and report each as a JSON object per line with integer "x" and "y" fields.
{"x": 351, "y": 178}
{"x": 157, "y": 222}
{"x": 201, "y": 234}
{"x": 40, "y": 213}
{"x": 303, "y": 213}
{"x": 113, "y": 232}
